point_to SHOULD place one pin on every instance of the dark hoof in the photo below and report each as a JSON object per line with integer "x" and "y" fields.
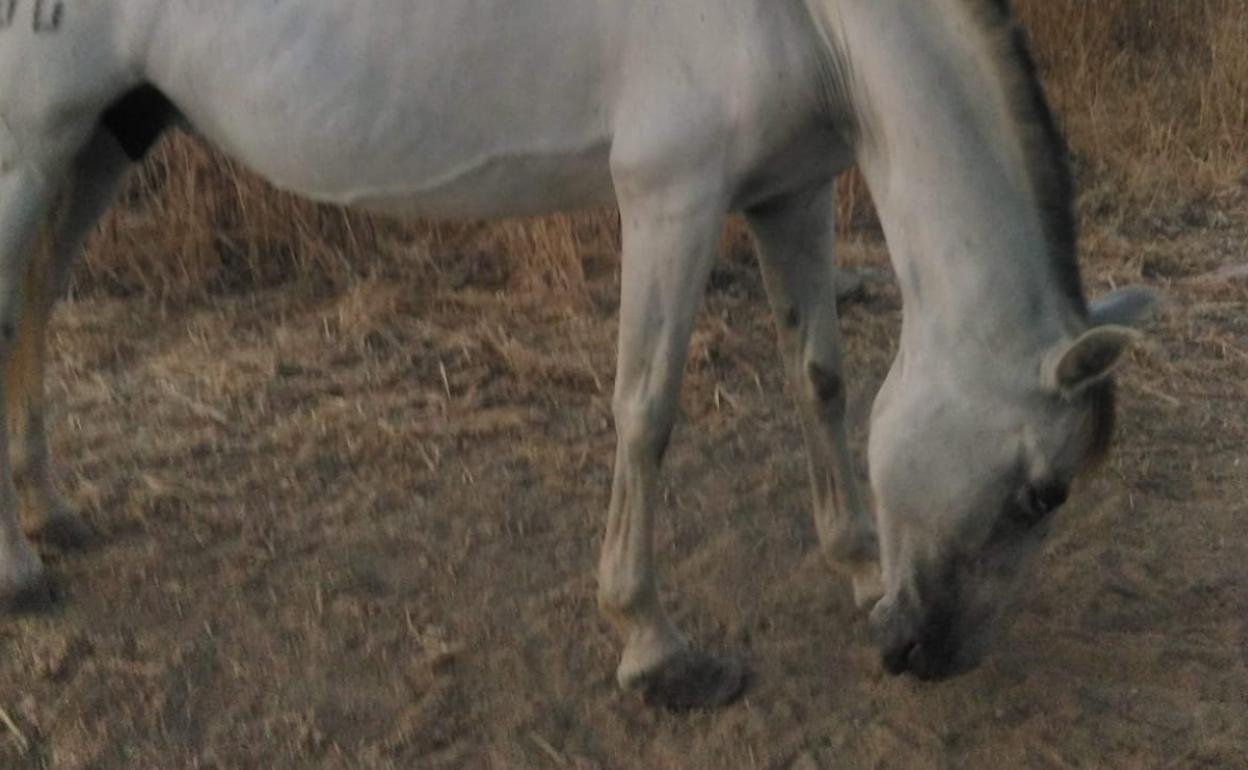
{"x": 67, "y": 533}
{"x": 36, "y": 598}
{"x": 694, "y": 680}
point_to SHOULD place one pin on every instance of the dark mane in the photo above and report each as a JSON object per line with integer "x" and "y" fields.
{"x": 1048, "y": 161}
{"x": 1047, "y": 156}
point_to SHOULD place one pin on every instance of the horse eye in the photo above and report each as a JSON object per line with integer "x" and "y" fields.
{"x": 1039, "y": 500}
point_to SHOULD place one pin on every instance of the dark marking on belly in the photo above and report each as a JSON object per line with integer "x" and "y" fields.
{"x": 137, "y": 120}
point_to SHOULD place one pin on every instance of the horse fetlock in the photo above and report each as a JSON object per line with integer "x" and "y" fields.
{"x": 853, "y": 542}
{"x": 51, "y": 519}
{"x": 23, "y": 582}
{"x": 868, "y": 584}
{"x": 625, "y": 594}
{"x": 854, "y": 548}
{"x": 650, "y": 647}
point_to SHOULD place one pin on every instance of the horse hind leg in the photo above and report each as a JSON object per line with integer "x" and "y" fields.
{"x": 89, "y": 189}
{"x": 795, "y": 236}
{"x": 25, "y": 201}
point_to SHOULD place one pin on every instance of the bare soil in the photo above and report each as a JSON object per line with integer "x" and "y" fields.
{"x": 359, "y": 529}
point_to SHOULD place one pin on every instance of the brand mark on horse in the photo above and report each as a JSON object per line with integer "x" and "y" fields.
{"x": 46, "y": 19}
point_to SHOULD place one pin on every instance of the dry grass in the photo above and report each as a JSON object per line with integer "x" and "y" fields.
{"x": 357, "y": 529}
{"x": 1153, "y": 94}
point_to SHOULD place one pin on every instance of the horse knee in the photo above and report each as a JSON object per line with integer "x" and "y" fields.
{"x": 643, "y": 428}
{"x": 824, "y": 384}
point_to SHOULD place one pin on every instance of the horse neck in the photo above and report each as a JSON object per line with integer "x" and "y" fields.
{"x": 941, "y": 146}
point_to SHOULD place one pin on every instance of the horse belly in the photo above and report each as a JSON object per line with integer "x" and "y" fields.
{"x": 433, "y": 109}
{"x": 503, "y": 186}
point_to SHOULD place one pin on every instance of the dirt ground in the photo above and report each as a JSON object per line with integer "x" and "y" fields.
{"x": 360, "y": 529}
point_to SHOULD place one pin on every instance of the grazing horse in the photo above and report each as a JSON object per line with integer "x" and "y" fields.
{"x": 679, "y": 113}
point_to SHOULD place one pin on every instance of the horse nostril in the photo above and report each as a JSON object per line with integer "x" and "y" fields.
{"x": 897, "y": 660}
{"x": 936, "y": 659}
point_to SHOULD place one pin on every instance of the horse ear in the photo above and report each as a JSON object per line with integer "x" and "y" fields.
{"x": 1073, "y": 366}
{"x": 1130, "y": 306}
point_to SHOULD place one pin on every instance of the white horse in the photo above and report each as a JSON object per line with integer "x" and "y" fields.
{"x": 679, "y": 112}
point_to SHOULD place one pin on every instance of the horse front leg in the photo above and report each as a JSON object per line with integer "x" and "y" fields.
{"x": 669, "y": 246}
{"x": 795, "y": 237}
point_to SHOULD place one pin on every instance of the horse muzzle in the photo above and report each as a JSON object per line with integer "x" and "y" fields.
{"x": 930, "y": 650}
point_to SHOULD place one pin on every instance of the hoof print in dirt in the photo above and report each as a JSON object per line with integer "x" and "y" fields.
{"x": 67, "y": 533}
{"x": 694, "y": 680}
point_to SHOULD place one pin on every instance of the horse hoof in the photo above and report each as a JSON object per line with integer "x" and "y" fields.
{"x": 693, "y": 680}
{"x": 67, "y": 532}
{"x": 868, "y": 587}
{"x": 38, "y": 596}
